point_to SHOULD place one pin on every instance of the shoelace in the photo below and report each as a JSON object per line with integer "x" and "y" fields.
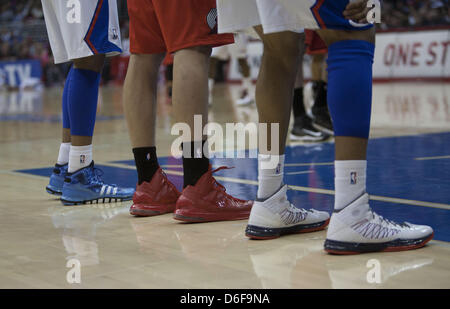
{"x": 382, "y": 219}
{"x": 96, "y": 179}
{"x": 167, "y": 181}
{"x": 215, "y": 181}
{"x": 295, "y": 209}
{"x": 292, "y": 208}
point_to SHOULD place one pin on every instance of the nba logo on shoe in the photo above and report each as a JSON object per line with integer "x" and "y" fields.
{"x": 353, "y": 178}
{"x": 82, "y": 158}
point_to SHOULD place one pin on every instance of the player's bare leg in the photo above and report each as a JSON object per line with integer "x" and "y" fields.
{"x": 321, "y": 116}
{"x": 190, "y": 85}
{"x": 139, "y": 98}
{"x": 213, "y": 62}
{"x": 303, "y": 129}
{"x": 245, "y": 95}
{"x": 317, "y": 67}
{"x": 274, "y": 91}
{"x": 244, "y": 67}
{"x": 190, "y": 98}
{"x": 275, "y": 84}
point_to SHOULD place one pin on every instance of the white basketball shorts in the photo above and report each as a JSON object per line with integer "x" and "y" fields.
{"x": 238, "y": 50}
{"x": 82, "y": 28}
{"x": 284, "y": 15}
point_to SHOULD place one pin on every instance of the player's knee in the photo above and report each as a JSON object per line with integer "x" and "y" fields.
{"x": 146, "y": 62}
{"x": 204, "y": 50}
{"x": 92, "y": 63}
{"x": 282, "y": 48}
{"x": 284, "y": 52}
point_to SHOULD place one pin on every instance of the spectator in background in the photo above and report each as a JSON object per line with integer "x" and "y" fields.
{"x": 414, "y": 13}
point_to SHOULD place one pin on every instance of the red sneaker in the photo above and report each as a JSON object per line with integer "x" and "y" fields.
{"x": 157, "y": 197}
{"x": 208, "y": 201}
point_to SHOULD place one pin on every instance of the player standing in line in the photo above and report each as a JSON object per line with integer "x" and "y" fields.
{"x": 83, "y": 32}
{"x": 188, "y": 30}
{"x": 303, "y": 129}
{"x": 238, "y": 50}
{"x": 354, "y": 227}
{"x": 318, "y": 50}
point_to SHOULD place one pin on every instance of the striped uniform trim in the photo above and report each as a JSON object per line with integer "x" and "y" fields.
{"x": 87, "y": 38}
{"x": 315, "y": 10}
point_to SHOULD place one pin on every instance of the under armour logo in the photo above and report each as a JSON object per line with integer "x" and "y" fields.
{"x": 82, "y": 159}
{"x": 353, "y": 179}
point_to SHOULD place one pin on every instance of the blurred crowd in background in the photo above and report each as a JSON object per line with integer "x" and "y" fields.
{"x": 23, "y": 34}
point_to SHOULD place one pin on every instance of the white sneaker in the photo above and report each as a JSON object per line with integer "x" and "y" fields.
{"x": 276, "y": 216}
{"x": 357, "y": 229}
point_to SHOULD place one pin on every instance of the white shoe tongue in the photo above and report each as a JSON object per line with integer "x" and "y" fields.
{"x": 278, "y": 201}
{"x": 359, "y": 208}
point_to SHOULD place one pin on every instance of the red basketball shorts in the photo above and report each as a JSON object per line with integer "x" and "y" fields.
{"x": 160, "y": 26}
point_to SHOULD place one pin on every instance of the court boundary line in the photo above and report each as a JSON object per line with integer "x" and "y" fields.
{"x": 386, "y": 199}
{"x": 432, "y": 158}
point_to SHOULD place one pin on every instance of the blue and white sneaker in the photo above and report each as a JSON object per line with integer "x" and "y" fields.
{"x": 86, "y": 187}
{"x": 55, "y": 185}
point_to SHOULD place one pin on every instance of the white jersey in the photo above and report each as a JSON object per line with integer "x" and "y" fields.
{"x": 82, "y": 28}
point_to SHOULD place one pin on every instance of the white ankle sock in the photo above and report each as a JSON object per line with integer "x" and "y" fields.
{"x": 63, "y": 155}
{"x": 349, "y": 181}
{"x": 79, "y": 157}
{"x": 270, "y": 174}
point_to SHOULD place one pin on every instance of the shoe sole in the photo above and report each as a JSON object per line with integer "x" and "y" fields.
{"x": 245, "y": 103}
{"x": 262, "y": 233}
{"x": 52, "y": 192}
{"x": 139, "y": 212}
{"x": 349, "y": 248}
{"x": 210, "y": 218}
{"x": 309, "y": 139}
{"x": 322, "y": 129}
{"x": 100, "y": 200}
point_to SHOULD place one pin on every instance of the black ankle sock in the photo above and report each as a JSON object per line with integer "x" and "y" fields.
{"x": 298, "y": 106}
{"x": 320, "y": 96}
{"x": 146, "y": 163}
{"x": 193, "y": 167}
